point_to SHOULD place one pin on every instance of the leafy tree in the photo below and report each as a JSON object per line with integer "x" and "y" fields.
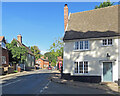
{"x": 35, "y": 50}
{"x": 56, "y": 49}
{"x": 50, "y": 56}
{"x": 16, "y": 53}
{"x": 104, "y": 4}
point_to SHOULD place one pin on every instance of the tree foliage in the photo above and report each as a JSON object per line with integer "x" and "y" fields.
{"x": 16, "y": 53}
{"x": 36, "y": 51}
{"x": 57, "y": 47}
{"x": 56, "y": 50}
{"x": 104, "y": 4}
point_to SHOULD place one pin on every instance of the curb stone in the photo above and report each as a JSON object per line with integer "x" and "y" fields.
{"x": 78, "y": 84}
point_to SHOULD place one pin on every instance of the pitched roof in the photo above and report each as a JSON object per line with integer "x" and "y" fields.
{"x": 2, "y": 38}
{"x": 94, "y": 23}
{"x": 21, "y": 44}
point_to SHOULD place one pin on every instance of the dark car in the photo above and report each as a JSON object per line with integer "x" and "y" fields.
{"x": 49, "y": 68}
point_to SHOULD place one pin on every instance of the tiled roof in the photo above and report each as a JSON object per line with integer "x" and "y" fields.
{"x": 94, "y": 23}
{"x": 2, "y": 38}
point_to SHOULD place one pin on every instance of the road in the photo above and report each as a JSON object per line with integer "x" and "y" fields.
{"x": 39, "y": 83}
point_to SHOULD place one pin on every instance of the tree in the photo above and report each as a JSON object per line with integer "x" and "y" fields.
{"x": 104, "y": 4}
{"x": 35, "y": 50}
{"x": 16, "y": 53}
{"x": 56, "y": 49}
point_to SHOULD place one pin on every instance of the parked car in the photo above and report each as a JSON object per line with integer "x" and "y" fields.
{"x": 49, "y": 68}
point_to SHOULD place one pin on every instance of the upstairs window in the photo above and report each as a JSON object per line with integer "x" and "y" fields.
{"x": 86, "y": 44}
{"x": 82, "y": 45}
{"x": 76, "y": 45}
{"x": 3, "y": 60}
{"x": 3, "y": 45}
{"x": 106, "y": 42}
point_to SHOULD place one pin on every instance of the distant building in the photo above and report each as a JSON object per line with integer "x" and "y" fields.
{"x": 4, "y": 58}
{"x": 30, "y": 59}
{"x": 42, "y": 62}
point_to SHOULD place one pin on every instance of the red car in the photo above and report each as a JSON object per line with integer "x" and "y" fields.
{"x": 49, "y": 68}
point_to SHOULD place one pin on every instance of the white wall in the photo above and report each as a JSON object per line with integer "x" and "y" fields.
{"x": 94, "y": 56}
{"x": 119, "y": 59}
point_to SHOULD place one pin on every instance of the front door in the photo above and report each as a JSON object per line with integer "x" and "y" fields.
{"x": 107, "y": 71}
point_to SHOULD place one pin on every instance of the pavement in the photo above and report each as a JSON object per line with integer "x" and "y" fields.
{"x": 8, "y": 76}
{"x": 111, "y": 87}
{"x": 44, "y": 82}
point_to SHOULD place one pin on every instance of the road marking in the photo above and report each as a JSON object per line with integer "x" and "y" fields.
{"x": 10, "y": 83}
{"x": 45, "y": 87}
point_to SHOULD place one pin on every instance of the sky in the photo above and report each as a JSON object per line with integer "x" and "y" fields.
{"x": 39, "y": 23}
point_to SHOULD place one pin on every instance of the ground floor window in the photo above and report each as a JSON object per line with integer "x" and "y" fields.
{"x": 81, "y": 67}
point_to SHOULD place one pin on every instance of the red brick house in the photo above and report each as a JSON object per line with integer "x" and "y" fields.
{"x": 42, "y": 62}
{"x": 4, "y": 58}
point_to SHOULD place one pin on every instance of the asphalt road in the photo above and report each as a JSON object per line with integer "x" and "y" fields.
{"x": 38, "y": 83}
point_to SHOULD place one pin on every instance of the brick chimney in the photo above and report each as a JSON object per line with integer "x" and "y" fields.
{"x": 19, "y": 38}
{"x": 65, "y": 16}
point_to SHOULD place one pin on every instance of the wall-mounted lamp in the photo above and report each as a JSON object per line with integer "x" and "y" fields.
{"x": 108, "y": 56}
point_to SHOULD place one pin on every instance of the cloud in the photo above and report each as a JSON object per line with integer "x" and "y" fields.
{"x": 43, "y": 51}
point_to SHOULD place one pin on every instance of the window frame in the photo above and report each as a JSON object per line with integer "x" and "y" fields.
{"x": 4, "y": 58}
{"x": 107, "y": 41}
{"x": 79, "y": 67}
{"x": 83, "y": 45}
{"x": 75, "y": 45}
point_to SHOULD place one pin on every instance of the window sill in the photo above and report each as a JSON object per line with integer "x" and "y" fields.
{"x": 81, "y": 50}
{"x": 81, "y": 74}
{"x": 106, "y": 45}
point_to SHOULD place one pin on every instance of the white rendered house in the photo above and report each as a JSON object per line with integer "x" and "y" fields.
{"x": 92, "y": 45}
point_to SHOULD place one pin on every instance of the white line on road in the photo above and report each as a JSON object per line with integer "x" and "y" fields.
{"x": 10, "y": 83}
{"x": 45, "y": 87}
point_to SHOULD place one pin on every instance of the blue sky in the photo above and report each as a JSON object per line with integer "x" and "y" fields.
{"x": 39, "y": 23}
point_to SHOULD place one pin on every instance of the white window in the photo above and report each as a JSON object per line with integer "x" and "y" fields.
{"x": 81, "y": 67}
{"x": 76, "y": 45}
{"x": 86, "y": 44}
{"x": 109, "y": 41}
{"x": 106, "y": 42}
{"x": 82, "y": 45}
{"x": 76, "y": 67}
{"x": 3, "y": 60}
{"x": 3, "y": 45}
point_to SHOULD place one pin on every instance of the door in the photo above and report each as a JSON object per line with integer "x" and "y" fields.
{"x": 107, "y": 71}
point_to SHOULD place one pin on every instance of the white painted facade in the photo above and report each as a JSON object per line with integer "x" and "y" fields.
{"x": 95, "y": 56}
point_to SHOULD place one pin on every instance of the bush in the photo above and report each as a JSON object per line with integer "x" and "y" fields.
{"x": 15, "y": 71}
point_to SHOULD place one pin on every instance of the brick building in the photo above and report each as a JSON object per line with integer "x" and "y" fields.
{"x": 42, "y": 62}
{"x": 4, "y": 56}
